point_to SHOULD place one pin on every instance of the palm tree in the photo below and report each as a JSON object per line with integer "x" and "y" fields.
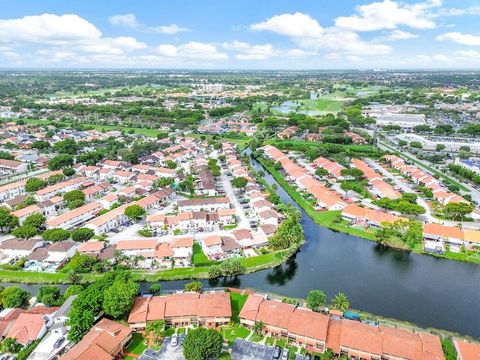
{"x": 340, "y": 302}
{"x": 258, "y": 327}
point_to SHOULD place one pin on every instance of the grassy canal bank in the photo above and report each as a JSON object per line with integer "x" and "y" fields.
{"x": 249, "y": 265}
{"x": 329, "y": 220}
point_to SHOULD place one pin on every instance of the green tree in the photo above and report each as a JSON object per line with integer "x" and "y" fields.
{"x": 119, "y": 298}
{"x": 214, "y": 271}
{"x": 72, "y": 290}
{"x": 36, "y": 220}
{"x": 7, "y": 220}
{"x": 134, "y": 212}
{"x": 14, "y": 296}
{"x": 6, "y": 156}
{"x": 25, "y": 232}
{"x": 41, "y": 145}
{"x": 68, "y": 171}
{"x": 202, "y": 344}
{"x": 156, "y": 329}
{"x": 340, "y": 302}
{"x": 154, "y": 289}
{"x": 67, "y": 146}
{"x": 316, "y": 299}
{"x": 60, "y": 162}
{"x": 258, "y": 328}
{"x": 321, "y": 172}
{"x": 353, "y": 172}
{"x": 193, "y": 286}
{"x": 231, "y": 267}
{"x": 10, "y": 345}
{"x": 49, "y": 295}
{"x": 56, "y": 234}
{"x": 457, "y": 210}
{"x": 34, "y": 184}
{"x": 74, "y": 195}
{"x": 239, "y": 182}
{"x": 82, "y": 234}
{"x": 440, "y": 147}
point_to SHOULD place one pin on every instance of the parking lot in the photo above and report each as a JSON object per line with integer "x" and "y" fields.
{"x": 166, "y": 352}
{"x": 246, "y": 350}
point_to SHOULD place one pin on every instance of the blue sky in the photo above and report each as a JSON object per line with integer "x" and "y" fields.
{"x": 246, "y": 34}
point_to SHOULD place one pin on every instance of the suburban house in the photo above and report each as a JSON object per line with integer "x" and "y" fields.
{"x": 466, "y": 350}
{"x": 16, "y": 248}
{"x": 108, "y": 221}
{"x": 299, "y": 325}
{"x": 51, "y": 257}
{"x": 105, "y": 340}
{"x": 12, "y": 166}
{"x": 59, "y": 188}
{"x": 354, "y": 339}
{"x": 76, "y": 216}
{"x": 367, "y": 217}
{"x": 208, "y": 204}
{"x": 12, "y": 190}
{"x": 182, "y": 309}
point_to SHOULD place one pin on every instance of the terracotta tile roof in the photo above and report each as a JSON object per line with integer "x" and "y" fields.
{"x": 443, "y": 231}
{"x": 103, "y": 341}
{"x": 27, "y": 327}
{"x": 182, "y": 242}
{"x": 136, "y": 244}
{"x": 212, "y": 240}
{"x": 216, "y": 304}
{"x": 466, "y": 350}
{"x": 91, "y": 246}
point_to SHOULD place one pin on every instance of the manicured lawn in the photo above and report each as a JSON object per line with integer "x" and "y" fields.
{"x": 269, "y": 341}
{"x": 199, "y": 257}
{"x": 448, "y": 349}
{"x": 170, "y": 331}
{"x": 256, "y": 338}
{"x": 137, "y": 344}
{"x": 236, "y": 331}
{"x": 322, "y": 105}
{"x": 237, "y": 301}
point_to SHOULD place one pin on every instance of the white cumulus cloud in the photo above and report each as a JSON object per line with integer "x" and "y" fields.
{"x": 192, "y": 50}
{"x": 128, "y": 20}
{"x": 460, "y": 38}
{"x": 389, "y": 14}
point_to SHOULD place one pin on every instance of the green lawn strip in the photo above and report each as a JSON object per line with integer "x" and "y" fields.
{"x": 137, "y": 344}
{"x": 199, "y": 257}
{"x": 256, "y": 338}
{"x": 237, "y": 331}
{"x": 250, "y": 264}
{"x": 169, "y": 331}
{"x": 269, "y": 341}
{"x": 448, "y": 349}
{"x": 237, "y": 301}
{"x": 430, "y": 169}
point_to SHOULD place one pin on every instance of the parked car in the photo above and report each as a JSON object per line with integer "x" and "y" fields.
{"x": 59, "y": 342}
{"x": 174, "y": 341}
{"x": 308, "y": 357}
{"x": 276, "y": 352}
{"x": 285, "y": 354}
{"x": 316, "y": 357}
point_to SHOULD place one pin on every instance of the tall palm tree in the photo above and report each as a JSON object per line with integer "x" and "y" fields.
{"x": 340, "y": 302}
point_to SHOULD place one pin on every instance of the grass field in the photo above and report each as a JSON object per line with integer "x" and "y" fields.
{"x": 199, "y": 258}
{"x": 137, "y": 345}
{"x": 237, "y": 301}
{"x": 322, "y": 105}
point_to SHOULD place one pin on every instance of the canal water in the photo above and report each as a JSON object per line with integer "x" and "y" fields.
{"x": 428, "y": 291}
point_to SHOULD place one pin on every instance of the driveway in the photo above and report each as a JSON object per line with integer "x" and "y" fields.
{"x": 243, "y": 222}
{"x": 166, "y": 352}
